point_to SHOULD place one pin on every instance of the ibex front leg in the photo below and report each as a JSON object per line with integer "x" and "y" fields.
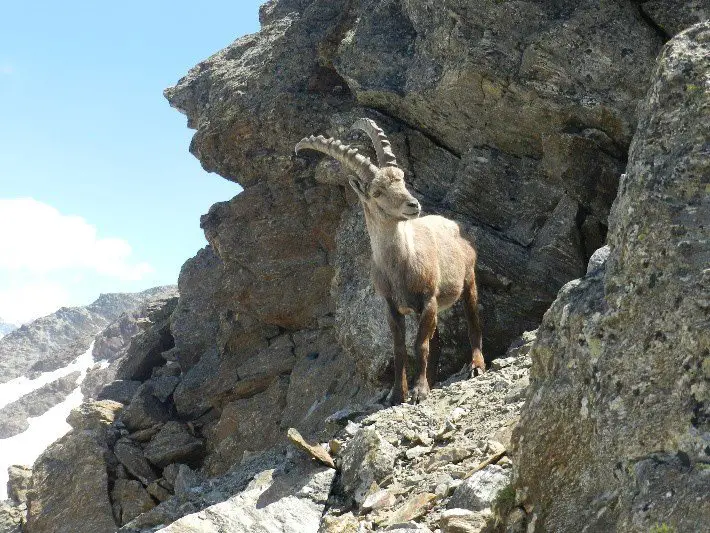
{"x": 397, "y": 326}
{"x": 427, "y": 327}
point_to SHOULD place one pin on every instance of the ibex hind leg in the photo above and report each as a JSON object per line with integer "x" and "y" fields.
{"x": 478, "y": 364}
{"x": 434, "y": 354}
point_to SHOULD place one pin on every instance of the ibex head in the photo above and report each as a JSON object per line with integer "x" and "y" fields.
{"x": 380, "y": 188}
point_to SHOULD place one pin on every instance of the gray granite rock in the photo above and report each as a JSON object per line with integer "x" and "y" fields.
{"x": 19, "y": 480}
{"x": 479, "y": 491}
{"x": 615, "y": 435}
{"x": 289, "y": 501}
{"x": 174, "y": 444}
{"x": 132, "y": 458}
{"x": 145, "y": 410}
{"x": 367, "y": 459}
{"x": 130, "y": 499}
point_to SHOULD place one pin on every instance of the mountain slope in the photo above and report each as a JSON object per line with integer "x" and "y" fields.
{"x": 52, "y": 341}
{"x": 6, "y": 327}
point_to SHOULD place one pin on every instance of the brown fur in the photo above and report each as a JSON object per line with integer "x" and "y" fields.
{"x": 420, "y": 265}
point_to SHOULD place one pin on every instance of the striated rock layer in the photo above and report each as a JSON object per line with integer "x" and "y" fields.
{"x": 615, "y": 435}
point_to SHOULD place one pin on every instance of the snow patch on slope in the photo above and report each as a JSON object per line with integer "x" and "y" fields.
{"x": 44, "y": 429}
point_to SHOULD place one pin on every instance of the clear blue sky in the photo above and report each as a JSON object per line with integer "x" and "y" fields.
{"x": 85, "y": 130}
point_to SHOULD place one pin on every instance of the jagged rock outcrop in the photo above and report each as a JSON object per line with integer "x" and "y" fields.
{"x": 128, "y": 357}
{"x": 615, "y": 435}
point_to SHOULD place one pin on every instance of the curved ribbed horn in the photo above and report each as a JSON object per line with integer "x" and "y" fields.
{"x": 358, "y": 163}
{"x": 385, "y": 156}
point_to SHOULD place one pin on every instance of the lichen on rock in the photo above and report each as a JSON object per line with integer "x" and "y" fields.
{"x": 615, "y": 432}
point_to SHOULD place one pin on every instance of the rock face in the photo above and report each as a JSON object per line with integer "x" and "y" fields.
{"x": 615, "y": 435}
{"x": 513, "y": 118}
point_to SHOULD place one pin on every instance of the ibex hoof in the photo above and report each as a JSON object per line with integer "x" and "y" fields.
{"x": 395, "y": 397}
{"x": 420, "y": 392}
{"x": 472, "y": 371}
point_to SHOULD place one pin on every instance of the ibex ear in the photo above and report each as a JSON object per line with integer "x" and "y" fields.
{"x": 358, "y": 187}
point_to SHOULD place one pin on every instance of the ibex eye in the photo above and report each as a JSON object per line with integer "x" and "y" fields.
{"x": 376, "y": 193}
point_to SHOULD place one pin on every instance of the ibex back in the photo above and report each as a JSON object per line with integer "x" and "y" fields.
{"x": 420, "y": 265}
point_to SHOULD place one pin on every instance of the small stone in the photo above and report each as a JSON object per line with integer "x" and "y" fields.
{"x": 448, "y": 455}
{"x": 479, "y": 491}
{"x": 408, "y": 527}
{"x": 457, "y": 413}
{"x": 417, "y": 451}
{"x": 505, "y": 462}
{"x": 413, "y": 508}
{"x": 424, "y": 439}
{"x": 379, "y": 500}
{"x": 463, "y": 520}
{"x": 500, "y": 363}
{"x": 494, "y": 447}
{"x": 352, "y": 428}
{"x": 346, "y": 523}
{"x": 314, "y": 450}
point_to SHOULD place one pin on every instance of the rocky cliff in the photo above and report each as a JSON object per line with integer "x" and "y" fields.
{"x": 515, "y": 119}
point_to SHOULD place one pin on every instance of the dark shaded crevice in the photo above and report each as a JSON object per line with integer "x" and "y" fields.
{"x": 665, "y": 37}
{"x": 434, "y": 140}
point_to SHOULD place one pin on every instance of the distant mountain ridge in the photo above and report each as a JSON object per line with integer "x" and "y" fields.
{"x": 52, "y": 341}
{"x": 6, "y": 327}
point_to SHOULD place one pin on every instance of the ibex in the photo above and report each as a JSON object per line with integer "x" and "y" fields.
{"x": 420, "y": 265}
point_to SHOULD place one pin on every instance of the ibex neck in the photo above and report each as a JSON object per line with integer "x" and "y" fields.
{"x": 391, "y": 240}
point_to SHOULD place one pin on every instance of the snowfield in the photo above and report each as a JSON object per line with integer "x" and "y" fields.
{"x": 23, "y": 449}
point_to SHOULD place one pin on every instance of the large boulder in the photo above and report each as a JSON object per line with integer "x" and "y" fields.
{"x": 289, "y": 501}
{"x": 615, "y": 435}
{"x": 70, "y": 484}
